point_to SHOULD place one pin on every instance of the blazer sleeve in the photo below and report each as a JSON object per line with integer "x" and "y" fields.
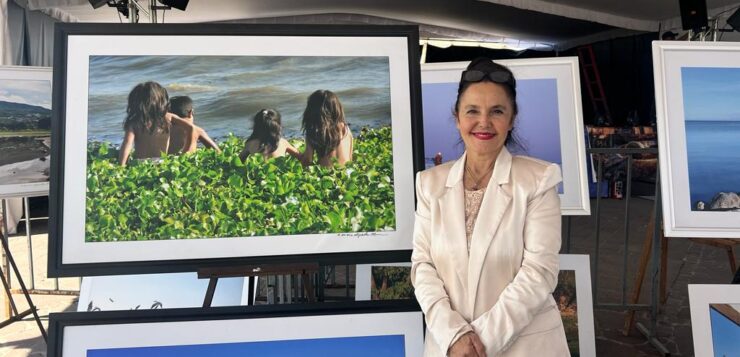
{"x": 535, "y": 281}
{"x": 444, "y": 324}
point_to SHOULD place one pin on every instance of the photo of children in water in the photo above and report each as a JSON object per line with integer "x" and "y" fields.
{"x": 280, "y": 146}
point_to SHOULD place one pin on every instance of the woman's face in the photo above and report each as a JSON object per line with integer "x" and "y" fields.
{"x": 484, "y": 118}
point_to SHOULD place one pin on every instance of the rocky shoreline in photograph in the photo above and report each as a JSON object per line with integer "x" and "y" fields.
{"x": 722, "y": 201}
{"x": 17, "y": 149}
{"x": 24, "y": 159}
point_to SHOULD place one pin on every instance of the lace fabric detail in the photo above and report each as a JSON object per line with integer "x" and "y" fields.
{"x": 473, "y": 199}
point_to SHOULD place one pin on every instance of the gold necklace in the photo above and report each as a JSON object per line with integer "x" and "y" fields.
{"x": 476, "y": 182}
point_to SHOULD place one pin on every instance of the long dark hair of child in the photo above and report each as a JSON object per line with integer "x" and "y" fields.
{"x": 267, "y": 129}
{"x": 148, "y": 104}
{"x": 320, "y": 122}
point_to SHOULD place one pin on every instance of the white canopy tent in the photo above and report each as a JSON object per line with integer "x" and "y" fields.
{"x": 539, "y": 24}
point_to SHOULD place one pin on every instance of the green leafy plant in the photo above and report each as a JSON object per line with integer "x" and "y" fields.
{"x": 391, "y": 283}
{"x": 209, "y": 195}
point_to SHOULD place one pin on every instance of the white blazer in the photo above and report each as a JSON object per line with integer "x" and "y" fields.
{"x": 503, "y": 290}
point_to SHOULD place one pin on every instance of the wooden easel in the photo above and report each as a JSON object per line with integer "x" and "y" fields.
{"x": 725, "y": 243}
{"x": 251, "y": 271}
{"x": 12, "y": 311}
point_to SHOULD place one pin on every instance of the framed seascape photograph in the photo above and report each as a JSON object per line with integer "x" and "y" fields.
{"x": 549, "y": 123}
{"x": 156, "y": 291}
{"x": 184, "y": 146}
{"x": 715, "y": 319}
{"x": 696, "y": 86}
{"x": 393, "y": 329}
{"x": 391, "y": 281}
{"x": 25, "y": 131}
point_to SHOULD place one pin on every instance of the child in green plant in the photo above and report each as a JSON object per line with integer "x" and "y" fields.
{"x": 266, "y": 138}
{"x": 327, "y": 133}
{"x": 182, "y": 106}
{"x": 148, "y": 123}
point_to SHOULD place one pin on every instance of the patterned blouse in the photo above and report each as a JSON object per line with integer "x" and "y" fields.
{"x": 473, "y": 199}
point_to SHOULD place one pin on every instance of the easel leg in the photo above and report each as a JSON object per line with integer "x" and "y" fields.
{"x": 663, "y": 268}
{"x": 10, "y": 259}
{"x": 647, "y": 246}
{"x": 308, "y": 287}
{"x": 731, "y": 256}
{"x": 210, "y": 292}
{"x": 250, "y": 293}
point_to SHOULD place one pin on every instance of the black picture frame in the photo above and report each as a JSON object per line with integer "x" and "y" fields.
{"x": 75, "y": 44}
{"x": 199, "y": 327}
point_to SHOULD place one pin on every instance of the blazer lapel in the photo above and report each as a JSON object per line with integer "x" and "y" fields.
{"x": 495, "y": 203}
{"x": 452, "y": 208}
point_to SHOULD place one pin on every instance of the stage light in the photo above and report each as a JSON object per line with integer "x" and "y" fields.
{"x": 98, "y": 3}
{"x": 177, "y": 4}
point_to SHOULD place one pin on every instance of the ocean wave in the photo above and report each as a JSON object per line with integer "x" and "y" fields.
{"x": 190, "y": 87}
{"x": 363, "y": 92}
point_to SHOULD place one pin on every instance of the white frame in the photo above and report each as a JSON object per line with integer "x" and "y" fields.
{"x": 565, "y": 71}
{"x": 668, "y": 59}
{"x": 77, "y": 339}
{"x": 700, "y": 296}
{"x": 26, "y": 73}
{"x": 580, "y": 263}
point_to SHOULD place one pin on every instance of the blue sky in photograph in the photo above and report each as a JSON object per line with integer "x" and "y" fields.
{"x": 537, "y": 124}
{"x": 725, "y": 335}
{"x": 125, "y": 292}
{"x": 366, "y": 346}
{"x": 711, "y": 93}
{"x": 31, "y": 92}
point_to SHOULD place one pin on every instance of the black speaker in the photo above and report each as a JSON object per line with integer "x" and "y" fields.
{"x": 693, "y": 14}
{"x": 734, "y": 20}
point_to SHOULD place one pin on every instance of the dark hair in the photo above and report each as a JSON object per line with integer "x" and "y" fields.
{"x": 320, "y": 122}
{"x": 267, "y": 129}
{"x": 181, "y": 105}
{"x": 148, "y": 104}
{"x": 487, "y": 66}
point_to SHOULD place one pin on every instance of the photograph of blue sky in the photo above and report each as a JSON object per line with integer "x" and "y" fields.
{"x": 537, "y": 125}
{"x": 127, "y": 292}
{"x": 712, "y": 124}
{"x": 725, "y": 333}
{"x": 366, "y": 346}
{"x": 31, "y": 92}
{"x": 710, "y": 93}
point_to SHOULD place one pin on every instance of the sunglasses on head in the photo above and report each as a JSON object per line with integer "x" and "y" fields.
{"x": 496, "y": 76}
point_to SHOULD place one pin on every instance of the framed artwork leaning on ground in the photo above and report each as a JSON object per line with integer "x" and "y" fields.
{"x": 715, "y": 319}
{"x": 226, "y": 145}
{"x": 573, "y": 296}
{"x": 696, "y": 86}
{"x": 549, "y": 124}
{"x": 25, "y": 131}
{"x": 348, "y": 329}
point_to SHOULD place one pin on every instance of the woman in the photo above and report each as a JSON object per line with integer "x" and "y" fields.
{"x": 487, "y": 234}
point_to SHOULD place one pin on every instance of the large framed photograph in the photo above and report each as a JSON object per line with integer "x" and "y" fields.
{"x": 715, "y": 319}
{"x": 356, "y": 329}
{"x": 25, "y": 131}
{"x": 549, "y": 123}
{"x": 698, "y": 118}
{"x": 391, "y": 281}
{"x": 182, "y": 146}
